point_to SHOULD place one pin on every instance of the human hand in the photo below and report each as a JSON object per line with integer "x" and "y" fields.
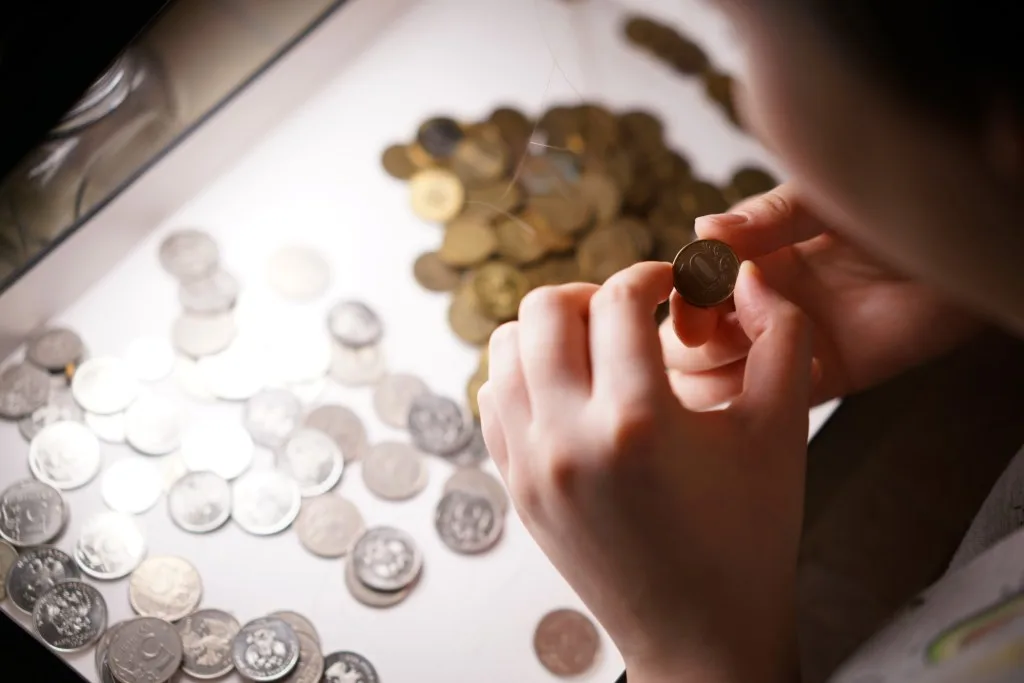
{"x": 679, "y": 530}
{"x": 870, "y": 324}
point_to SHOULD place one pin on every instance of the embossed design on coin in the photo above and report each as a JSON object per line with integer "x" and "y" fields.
{"x": 206, "y": 638}
{"x": 131, "y": 485}
{"x": 100, "y": 656}
{"x": 386, "y": 559}
{"x": 393, "y": 397}
{"x": 223, "y": 448}
{"x": 438, "y": 425}
{"x": 165, "y": 587}
{"x": 70, "y": 616}
{"x": 104, "y": 385}
{"x": 189, "y": 254}
{"x": 265, "y": 649}
{"x": 313, "y": 460}
{"x": 705, "y": 272}
{"x": 152, "y": 425}
{"x": 200, "y": 502}
{"x": 479, "y": 483}
{"x": 342, "y": 425}
{"x": 271, "y": 416}
{"x": 437, "y": 194}
{"x": 145, "y": 650}
{"x": 265, "y": 502}
{"x": 54, "y": 349}
{"x": 349, "y": 667}
{"x": 7, "y": 557}
{"x": 298, "y": 622}
{"x": 110, "y": 545}
{"x": 36, "y": 571}
{"x": 65, "y": 455}
{"x": 23, "y": 389}
{"x": 150, "y": 358}
{"x": 299, "y": 273}
{"x": 329, "y": 525}
{"x": 216, "y": 292}
{"x": 370, "y": 597}
{"x": 310, "y": 667}
{"x": 394, "y": 471}
{"x": 354, "y": 324}
{"x": 59, "y": 407}
{"x": 31, "y": 513}
{"x": 468, "y": 524}
{"x": 475, "y": 452}
{"x": 566, "y": 642}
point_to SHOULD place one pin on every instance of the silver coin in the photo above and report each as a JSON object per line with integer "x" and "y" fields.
{"x": 65, "y": 455}
{"x": 107, "y": 428}
{"x": 393, "y": 397}
{"x": 100, "y": 654}
{"x": 271, "y": 416}
{"x": 145, "y": 650}
{"x": 474, "y": 454}
{"x": 394, "y": 471}
{"x": 206, "y": 638}
{"x": 54, "y": 349}
{"x": 59, "y": 407}
{"x": 468, "y": 524}
{"x": 223, "y": 448}
{"x": 299, "y": 623}
{"x": 313, "y": 460}
{"x": 354, "y": 324}
{"x": 329, "y": 526}
{"x": 265, "y": 649}
{"x": 23, "y": 389}
{"x": 150, "y": 359}
{"x": 200, "y": 502}
{"x": 479, "y": 483}
{"x": 265, "y": 502}
{"x": 203, "y": 335}
{"x": 438, "y": 425}
{"x": 110, "y": 546}
{"x": 386, "y": 558}
{"x": 216, "y": 292}
{"x": 131, "y": 485}
{"x": 7, "y": 557}
{"x": 348, "y": 667}
{"x": 370, "y": 597}
{"x": 357, "y": 367}
{"x": 342, "y": 425}
{"x": 31, "y": 513}
{"x": 310, "y": 667}
{"x": 189, "y": 254}
{"x": 234, "y": 374}
{"x": 191, "y": 381}
{"x": 70, "y": 617}
{"x": 165, "y": 587}
{"x": 104, "y": 385}
{"x": 172, "y": 468}
{"x": 299, "y": 273}
{"x": 35, "y": 572}
{"x": 152, "y": 425}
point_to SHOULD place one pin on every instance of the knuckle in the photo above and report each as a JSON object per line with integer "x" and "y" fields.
{"x": 541, "y": 301}
{"x": 620, "y": 288}
{"x": 563, "y": 466}
{"x": 776, "y": 205}
{"x": 632, "y": 429}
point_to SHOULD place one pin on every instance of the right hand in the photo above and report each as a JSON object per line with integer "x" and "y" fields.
{"x": 869, "y": 322}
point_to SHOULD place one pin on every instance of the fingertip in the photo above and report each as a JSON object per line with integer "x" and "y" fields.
{"x": 692, "y": 325}
{"x": 720, "y": 226}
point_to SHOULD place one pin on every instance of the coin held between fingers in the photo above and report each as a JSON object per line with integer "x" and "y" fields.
{"x": 704, "y": 272}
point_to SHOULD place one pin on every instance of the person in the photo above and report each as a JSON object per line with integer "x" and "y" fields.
{"x": 897, "y": 238}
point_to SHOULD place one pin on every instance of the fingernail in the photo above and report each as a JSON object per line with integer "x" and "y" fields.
{"x": 727, "y": 219}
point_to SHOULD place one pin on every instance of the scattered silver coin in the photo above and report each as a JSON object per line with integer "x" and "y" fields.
{"x": 438, "y": 425}
{"x": 165, "y": 587}
{"x": 31, "y": 513}
{"x": 370, "y": 597}
{"x": 216, "y": 292}
{"x": 298, "y": 622}
{"x": 206, "y": 638}
{"x": 474, "y": 454}
{"x": 479, "y": 483}
{"x": 342, "y": 425}
{"x": 348, "y": 667}
{"x": 394, "y": 471}
{"x": 70, "y": 617}
{"x": 393, "y": 397}
{"x": 55, "y": 348}
{"x": 23, "y": 389}
{"x": 313, "y": 460}
{"x": 200, "y": 502}
{"x": 357, "y": 367}
{"x": 110, "y": 546}
{"x": 223, "y": 448}
{"x": 310, "y": 668}
{"x": 151, "y": 359}
{"x": 265, "y": 502}
{"x": 65, "y": 455}
{"x": 191, "y": 381}
{"x": 152, "y": 425}
{"x": 386, "y": 558}
{"x": 234, "y": 374}
{"x": 468, "y": 524}
{"x": 189, "y": 254}
{"x": 265, "y": 649}
{"x": 271, "y": 416}
{"x": 354, "y": 324}
{"x": 108, "y": 428}
{"x": 131, "y": 485}
{"x": 100, "y": 654}
{"x": 329, "y": 526}
{"x": 36, "y": 571}
{"x": 7, "y": 557}
{"x": 104, "y": 385}
{"x": 203, "y": 335}
{"x": 299, "y": 273}
{"x": 145, "y": 650}
{"x": 59, "y": 407}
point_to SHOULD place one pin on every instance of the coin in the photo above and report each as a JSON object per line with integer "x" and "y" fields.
{"x": 468, "y": 524}
{"x": 467, "y": 241}
{"x": 189, "y": 254}
{"x": 354, "y": 324}
{"x": 232, "y": 374}
{"x": 437, "y": 195}
{"x": 300, "y": 624}
{"x": 466, "y": 317}
{"x": 59, "y": 407}
{"x": 480, "y": 159}
{"x": 299, "y": 273}
{"x": 473, "y": 386}
{"x": 271, "y": 416}
{"x": 519, "y": 241}
{"x": 310, "y": 667}
{"x": 54, "y": 349}
{"x": 145, "y": 650}
{"x": 479, "y": 483}
{"x": 357, "y": 367}
{"x": 438, "y": 425}
{"x": 131, "y": 485}
{"x": 394, "y": 471}
{"x": 65, "y": 455}
{"x": 165, "y": 587}
{"x": 434, "y": 274}
{"x": 499, "y": 289}
{"x": 386, "y": 558}
{"x": 199, "y": 502}
{"x": 203, "y": 335}
{"x": 329, "y": 526}
{"x": 107, "y": 428}
{"x": 308, "y": 392}
{"x": 152, "y": 425}
{"x": 206, "y": 639}
{"x": 474, "y": 454}
{"x": 342, "y": 425}
{"x": 35, "y": 572}
{"x": 216, "y": 292}
{"x": 370, "y": 597}
{"x": 110, "y": 546}
{"x": 719, "y": 87}
{"x": 100, "y": 656}
{"x": 348, "y": 667}
{"x": 70, "y": 617}
{"x": 104, "y": 385}
{"x": 23, "y": 389}
{"x": 566, "y": 642}
{"x": 705, "y": 272}
{"x": 749, "y": 181}
{"x": 606, "y": 251}
{"x": 313, "y": 460}
{"x": 191, "y": 381}
{"x": 265, "y": 649}
{"x": 265, "y": 502}
{"x": 439, "y": 137}
{"x": 393, "y": 397}
{"x": 31, "y": 513}
{"x": 223, "y": 448}
{"x": 602, "y": 194}
{"x": 150, "y": 359}
{"x": 172, "y": 468}
{"x": 397, "y": 163}
{"x": 7, "y": 557}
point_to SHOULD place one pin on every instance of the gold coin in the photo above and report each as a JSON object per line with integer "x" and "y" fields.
{"x": 566, "y": 212}
{"x": 467, "y": 242}
{"x": 397, "y": 163}
{"x": 494, "y": 200}
{"x": 559, "y": 270}
{"x": 485, "y": 360}
{"x": 466, "y": 319}
{"x": 748, "y": 182}
{"x": 515, "y": 129}
{"x": 518, "y": 241}
{"x": 598, "y": 127}
{"x": 480, "y": 158}
{"x": 418, "y": 156}
{"x": 687, "y": 57}
{"x": 668, "y": 240}
{"x": 554, "y": 241}
{"x": 432, "y": 273}
{"x": 719, "y": 87}
{"x": 499, "y": 289}
{"x": 437, "y": 195}
{"x": 473, "y": 390}
{"x": 701, "y": 198}
{"x": 641, "y": 235}
{"x": 641, "y": 129}
{"x": 604, "y": 252}
{"x": 705, "y": 272}
{"x": 602, "y": 194}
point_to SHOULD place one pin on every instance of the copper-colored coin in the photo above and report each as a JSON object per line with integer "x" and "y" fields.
{"x": 606, "y": 251}
{"x": 432, "y": 273}
{"x": 702, "y": 198}
{"x": 515, "y": 128}
{"x": 687, "y": 57}
{"x": 669, "y": 239}
{"x": 518, "y": 241}
{"x": 466, "y": 319}
{"x": 548, "y": 173}
{"x": 602, "y": 194}
{"x": 749, "y": 181}
{"x": 418, "y": 156}
{"x": 485, "y": 359}
{"x": 499, "y": 289}
{"x": 553, "y": 271}
{"x": 719, "y": 88}
{"x": 641, "y": 234}
{"x": 639, "y": 29}
{"x": 558, "y": 214}
{"x": 437, "y": 195}
{"x": 472, "y": 389}
{"x": 493, "y": 201}
{"x": 641, "y": 129}
{"x": 481, "y": 158}
{"x": 467, "y": 242}
{"x": 397, "y": 163}
{"x": 439, "y": 136}
{"x": 705, "y": 272}
{"x": 566, "y": 642}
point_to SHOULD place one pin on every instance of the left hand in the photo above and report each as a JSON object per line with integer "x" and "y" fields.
{"x": 679, "y": 530}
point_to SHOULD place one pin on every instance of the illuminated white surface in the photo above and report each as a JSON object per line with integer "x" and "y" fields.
{"x": 316, "y": 180}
